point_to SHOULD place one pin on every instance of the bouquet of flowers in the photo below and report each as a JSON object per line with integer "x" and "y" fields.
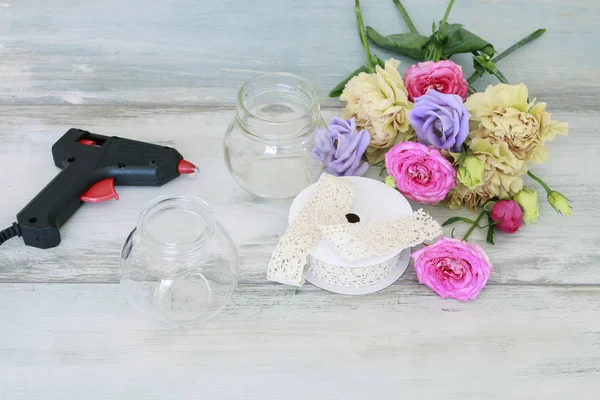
{"x": 442, "y": 142}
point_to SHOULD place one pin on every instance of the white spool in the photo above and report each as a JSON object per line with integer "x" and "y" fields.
{"x": 374, "y": 202}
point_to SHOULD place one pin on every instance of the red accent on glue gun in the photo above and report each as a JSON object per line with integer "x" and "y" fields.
{"x": 101, "y": 191}
{"x": 186, "y": 167}
{"x": 87, "y": 142}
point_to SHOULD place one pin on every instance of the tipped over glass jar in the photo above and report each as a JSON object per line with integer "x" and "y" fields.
{"x": 268, "y": 147}
{"x": 179, "y": 266}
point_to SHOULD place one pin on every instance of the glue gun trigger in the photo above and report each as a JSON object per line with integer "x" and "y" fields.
{"x": 103, "y": 190}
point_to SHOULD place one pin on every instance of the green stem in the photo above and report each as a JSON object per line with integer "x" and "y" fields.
{"x": 496, "y": 72}
{"x": 519, "y": 44}
{"x": 475, "y": 224}
{"x": 448, "y": 10}
{"x": 510, "y": 50}
{"x": 471, "y": 80}
{"x": 541, "y": 182}
{"x": 437, "y": 55}
{"x": 363, "y": 36}
{"x": 407, "y": 19}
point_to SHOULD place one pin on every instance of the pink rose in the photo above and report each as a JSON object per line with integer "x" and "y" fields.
{"x": 444, "y": 76}
{"x": 420, "y": 173}
{"x": 453, "y": 268}
{"x": 508, "y": 214}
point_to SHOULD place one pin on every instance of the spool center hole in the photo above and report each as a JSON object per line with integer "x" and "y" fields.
{"x": 352, "y": 218}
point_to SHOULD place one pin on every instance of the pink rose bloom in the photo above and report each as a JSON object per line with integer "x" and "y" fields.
{"x": 420, "y": 173}
{"x": 508, "y": 214}
{"x": 453, "y": 268}
{"x": 444, "y": 76}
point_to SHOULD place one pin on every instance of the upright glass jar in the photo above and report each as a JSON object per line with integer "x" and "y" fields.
{"x": 268, "y": 147}
{"x": 179, "y": 265}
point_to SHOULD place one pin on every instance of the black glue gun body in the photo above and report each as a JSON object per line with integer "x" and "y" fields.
{"x": 91, "y": 166}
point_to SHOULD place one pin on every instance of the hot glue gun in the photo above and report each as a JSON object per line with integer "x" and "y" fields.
{"x": 91, "y": 167}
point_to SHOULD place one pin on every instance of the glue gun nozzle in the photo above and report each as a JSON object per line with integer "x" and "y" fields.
{"x": 187, "y": 168}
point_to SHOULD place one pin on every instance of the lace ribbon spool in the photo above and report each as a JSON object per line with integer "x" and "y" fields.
{"x": 373, "y": 202}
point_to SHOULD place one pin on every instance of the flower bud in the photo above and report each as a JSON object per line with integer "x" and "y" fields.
{"x": 471, "y": 172}
{"x": 390, "y": 181}
{"x": 528, "y": 200}
{"x": 508, "y": 216}
{"x": 559, "y": 202}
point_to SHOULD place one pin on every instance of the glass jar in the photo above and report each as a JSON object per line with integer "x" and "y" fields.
{"x": 269, "y": 145}
{"x": 179, "y": 265}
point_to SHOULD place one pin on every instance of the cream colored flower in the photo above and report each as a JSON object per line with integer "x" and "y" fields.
{"x": 504, "y": 114}
{"x": 462, "y": 196}
{"x": 379, "y": 102}
{"x": 376, "y": 155}
{"x": 503, "y": 170}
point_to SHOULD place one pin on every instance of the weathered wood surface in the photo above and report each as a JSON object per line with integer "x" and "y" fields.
{"x": 520, "y": 342}
{"x": 168, "y": 72}
{"x": 200, "y": 52}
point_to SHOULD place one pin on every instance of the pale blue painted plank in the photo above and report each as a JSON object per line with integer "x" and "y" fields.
{"x": 200, "y": 52}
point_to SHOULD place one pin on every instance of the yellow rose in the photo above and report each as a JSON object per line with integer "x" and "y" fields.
{"x": 379, "y": 103}
{"x": 504, "y": 114}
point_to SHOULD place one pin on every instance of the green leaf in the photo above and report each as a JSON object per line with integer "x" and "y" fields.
{"x": 479, "y": 72}
{"x": 456, "y": 219}
{"x": 407, "y": 44}
{"x": 490, "y": 232}
{"x": 483, "y": 63}
{"x": 531, "y": 37}
{"x": 337, "y": 91}
{"x": 496, "y": 72}
{"x": 463, "y": 41}
{"x": 378, "y": 61}
{"x": 479, "y": 64}
{"x": 446, "y": 30}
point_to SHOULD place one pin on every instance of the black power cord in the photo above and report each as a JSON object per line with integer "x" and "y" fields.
{"x": 10, "y": 232}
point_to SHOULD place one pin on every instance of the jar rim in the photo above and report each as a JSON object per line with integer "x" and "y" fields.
{"x": 188, "y": 203}
{"x": 312, "y": 92}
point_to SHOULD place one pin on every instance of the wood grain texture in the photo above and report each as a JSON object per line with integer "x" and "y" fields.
{"x": 200, "y": 52}
{"x": 168, "y": 72}
{"x": 82, "y": 341}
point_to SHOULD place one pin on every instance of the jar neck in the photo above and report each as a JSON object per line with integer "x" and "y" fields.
{"x": 176, "y": 225}
{"x": 278, "y": 107}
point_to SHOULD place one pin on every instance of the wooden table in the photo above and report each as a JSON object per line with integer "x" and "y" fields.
{"x": 168, "y": 72}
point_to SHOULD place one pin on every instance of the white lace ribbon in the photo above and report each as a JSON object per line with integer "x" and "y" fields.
{"x": 325, "y": 214}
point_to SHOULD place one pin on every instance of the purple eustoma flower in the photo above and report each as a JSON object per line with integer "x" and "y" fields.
{"x": 341, "y": 148}
{"x": 440, "y": 120}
